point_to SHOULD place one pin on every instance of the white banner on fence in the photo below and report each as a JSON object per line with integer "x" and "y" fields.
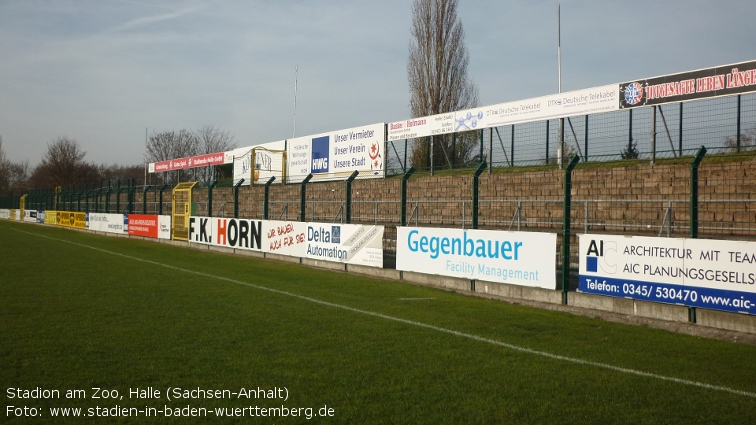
{"x": 226, "y": 232}
{"x": 579, "y": 102}
{"x": 5, "y": 213}
{"x": 264, "y": 168}
{"x": 520, "y": 258}
{"x": 336, "y": 155}
{"x": 285, "y": 238}
{"x": 30, "y": 216}
{"x": 109, "y": 223}
{"x": 712, "y": 274}
{"x": 345, "y": 243}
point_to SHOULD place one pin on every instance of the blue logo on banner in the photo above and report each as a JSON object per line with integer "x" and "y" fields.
{"x": 320, "y": 151}
{"x": 336, "y": 234}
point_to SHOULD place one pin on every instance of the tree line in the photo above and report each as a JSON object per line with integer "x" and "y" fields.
{"x": 64, "y": 162}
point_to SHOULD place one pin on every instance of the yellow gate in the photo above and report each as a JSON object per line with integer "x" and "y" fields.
{"x": 182, "y": 209}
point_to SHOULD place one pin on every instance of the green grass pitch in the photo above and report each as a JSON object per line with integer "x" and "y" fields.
{"x": 84, "y": 312}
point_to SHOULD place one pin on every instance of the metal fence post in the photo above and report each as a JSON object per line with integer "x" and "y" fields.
{"x": 210, "y": 188}
{"x": 694, "y": 192}
{"x": 165, "y": 186}
{"x": 349, "y": 196}
{"x": 144, "y": 199}
{"x": 236, "y": 198}
{"x": 405, "y": 177}
{"x": 303, "y": 199}
{"x": 475, "y": 207}
{"x": 266, "y": 204}
{"x": 132, "y": 196}
{"x": 566, "y": 228}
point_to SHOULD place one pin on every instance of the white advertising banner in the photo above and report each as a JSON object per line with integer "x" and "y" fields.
{"x": 337, "y": 154}
{"x": 345, "y": 243}
{"x": 4, "y": 213}
{"x": 520, "y": 258}
{"x": 267, "y": 164}
{"x": 713, "y": 274}
{"x": 285, "y": 238}
{"x": 579, "y": 102}
{"x": 109, "y": 223}
{"x": 164, "y": 227}
{"x": 235, "y": 233}
{"x": 30, "y": 216}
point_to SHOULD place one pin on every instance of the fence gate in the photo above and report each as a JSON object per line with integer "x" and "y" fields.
{"x": 182, "y": 209}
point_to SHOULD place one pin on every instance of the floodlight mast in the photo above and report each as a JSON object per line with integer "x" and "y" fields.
{"x": 560, "y": 151}
{"x": 296, "y": 72}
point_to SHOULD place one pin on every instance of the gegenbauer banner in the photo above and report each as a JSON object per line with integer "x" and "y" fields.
{"x": 519, "y": 258}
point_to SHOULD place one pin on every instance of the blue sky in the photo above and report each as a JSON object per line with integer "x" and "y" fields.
{"x": 103, "y": 71}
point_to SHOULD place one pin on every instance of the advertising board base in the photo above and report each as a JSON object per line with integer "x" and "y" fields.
{"x": 737, "y": 322}
{"x": 630, "y": 307}
{"x": 518, "y": 292}
{"x": 454, "y": 283}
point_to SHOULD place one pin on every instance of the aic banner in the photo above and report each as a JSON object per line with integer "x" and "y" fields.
{"x": 713, "y": 274}
{"x": 344, "y": 243}
{"x": 150, "y": 226}
{"x": 108, "y": 223}
{"x": 520, "y": 258}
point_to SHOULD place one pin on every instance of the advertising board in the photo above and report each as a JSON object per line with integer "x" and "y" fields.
{"x": 579, "y": 102}
{"x": 30, "y": 216}
{"x": 5, "y": 213}
{"x": 713, "y": 274}
{"x": 235, "y": 233}
{"x": 345, "y": 243}
{"x": 76, "y": 220}
{"x": 51, "y": 217}
{"x": 704, "y": 83}
{"x": 108, "y": 223}
{"x": 150, "y": 226}
{"x": 520, "y": 258}
{"x": 268, "y": 163}
{"x": 336, "y": 155}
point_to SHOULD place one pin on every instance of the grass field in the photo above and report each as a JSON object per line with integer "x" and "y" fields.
{"x": 80, "y": 311}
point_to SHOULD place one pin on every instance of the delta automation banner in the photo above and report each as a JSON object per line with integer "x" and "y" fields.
{"x": 344, "y": 243}
{"x": 714, "y": 274}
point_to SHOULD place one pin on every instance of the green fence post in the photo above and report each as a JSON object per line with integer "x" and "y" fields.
{"x": 406, "y": 177}
{"x": 118, "y": 196}
{"x": 302, "y": 203}
{"x": 165, "y": 186}
{"x": 210, "y": 188}
{"x": 266, "y": 208}
{"x": 566, "y": 228}
{"x": 131, "y": 196}
{"x": 107, "y": 197}
{"x": 475, "y": 206}
{"x": 144, "y": 199}
{"x": 694, "y": 209}
{"x": 694, "y": 192}
{"x": 349, "y": 196}
{"x": 236, "y": 198}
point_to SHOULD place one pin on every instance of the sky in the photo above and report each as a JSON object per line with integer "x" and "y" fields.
{"x": 105, "y": 72}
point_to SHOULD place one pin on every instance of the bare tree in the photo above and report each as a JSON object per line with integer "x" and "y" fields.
{"x": 63, "y": 165}
{"x": 171, "y": 145}
{"x": 438, "y": 79}
{"x": 4, "y": 171}
{"x": 212, "y": 140}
